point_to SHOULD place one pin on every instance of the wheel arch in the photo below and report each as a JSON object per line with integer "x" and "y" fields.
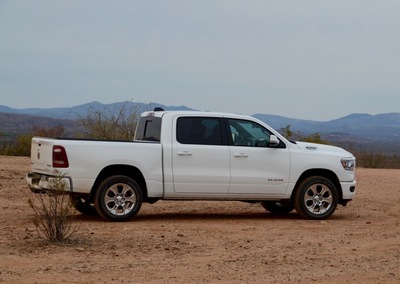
{"x": 125, "y": 170}
{"x": 323, "y": 173}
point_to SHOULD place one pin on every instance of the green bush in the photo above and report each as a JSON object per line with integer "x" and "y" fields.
{"x": 313, "y": 138}
{"x": 21, "y": 144}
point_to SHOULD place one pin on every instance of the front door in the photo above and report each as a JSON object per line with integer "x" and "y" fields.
{"x": 257, "y": 168}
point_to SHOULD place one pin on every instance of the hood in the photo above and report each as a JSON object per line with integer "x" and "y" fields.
{"x": 322, "y": 148}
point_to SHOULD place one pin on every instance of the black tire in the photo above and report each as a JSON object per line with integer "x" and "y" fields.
{"x": 118, "y": 198}
{"x": 278, "y": 207}
{"x": 316, "y": 198}
{"x": 82, "y": 205}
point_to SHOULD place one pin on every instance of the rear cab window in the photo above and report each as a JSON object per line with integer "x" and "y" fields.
{"x": 149, "y": 129}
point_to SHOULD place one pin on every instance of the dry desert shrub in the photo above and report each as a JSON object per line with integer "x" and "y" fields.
{"x": 53, "y": 212}
{"x": 110, "y": 123}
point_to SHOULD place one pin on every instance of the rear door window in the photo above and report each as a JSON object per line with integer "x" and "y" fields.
{"x": 200, "y": 131}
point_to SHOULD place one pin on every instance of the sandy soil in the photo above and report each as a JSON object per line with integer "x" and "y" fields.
{"x": 203, "y": 242}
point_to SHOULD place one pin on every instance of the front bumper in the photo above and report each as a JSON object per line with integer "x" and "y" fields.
{"x": 348, "y": 190}
{"x": 39, "y": 183}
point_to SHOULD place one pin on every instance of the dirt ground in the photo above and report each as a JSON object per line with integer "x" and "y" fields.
{"x": 208, "y": 242}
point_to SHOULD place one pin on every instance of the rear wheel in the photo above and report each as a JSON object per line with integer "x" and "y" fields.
{"x": 278, "y": 207}
{"x": 316, "y": 198}
{"x": 118, "y": 198}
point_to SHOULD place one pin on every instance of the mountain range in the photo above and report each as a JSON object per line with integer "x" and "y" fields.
{"x": 379, "y": 132}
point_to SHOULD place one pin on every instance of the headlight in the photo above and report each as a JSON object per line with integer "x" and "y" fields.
{"x": 348, "y": 164}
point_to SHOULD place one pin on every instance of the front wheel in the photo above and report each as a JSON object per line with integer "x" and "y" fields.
{"x": 316, "y": 198}
{"x": 278, "y": 207}
{"x": 82, "y": 205}
{"x": 118, "y": 198}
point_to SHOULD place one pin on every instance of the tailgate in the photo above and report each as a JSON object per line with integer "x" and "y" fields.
{"x": 41, "y": 155}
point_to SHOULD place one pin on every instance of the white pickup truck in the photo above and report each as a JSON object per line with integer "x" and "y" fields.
{"x": 196, "y": 156}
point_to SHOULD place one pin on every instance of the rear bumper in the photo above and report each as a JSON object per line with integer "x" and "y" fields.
{"x": 39, "y": 182}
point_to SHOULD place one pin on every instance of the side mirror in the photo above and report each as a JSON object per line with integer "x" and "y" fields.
{"x": 273, "y": 141}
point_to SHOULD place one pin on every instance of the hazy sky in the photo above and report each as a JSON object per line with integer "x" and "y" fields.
{"x": 317, "y": 60}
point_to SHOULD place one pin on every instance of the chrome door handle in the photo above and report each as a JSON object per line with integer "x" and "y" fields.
{"x": 184, "y": 153}
{"x": 240, "y": 155}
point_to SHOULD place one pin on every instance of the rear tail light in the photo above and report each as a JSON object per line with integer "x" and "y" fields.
{"x": 60, "y": 159}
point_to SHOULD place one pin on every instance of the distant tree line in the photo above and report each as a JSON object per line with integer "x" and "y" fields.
{"x": 120, "y": 123}
{"x": 20, "y": 145}
{"x": 105, "y": 123}
{"x": 365, "y": 159}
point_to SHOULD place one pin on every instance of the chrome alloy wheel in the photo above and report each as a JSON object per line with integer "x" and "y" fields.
{"x": 120, "y": 199}
{"x": 318, "y": 199}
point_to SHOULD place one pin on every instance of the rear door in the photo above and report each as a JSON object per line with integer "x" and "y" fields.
{"x": 201, "y": 157}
